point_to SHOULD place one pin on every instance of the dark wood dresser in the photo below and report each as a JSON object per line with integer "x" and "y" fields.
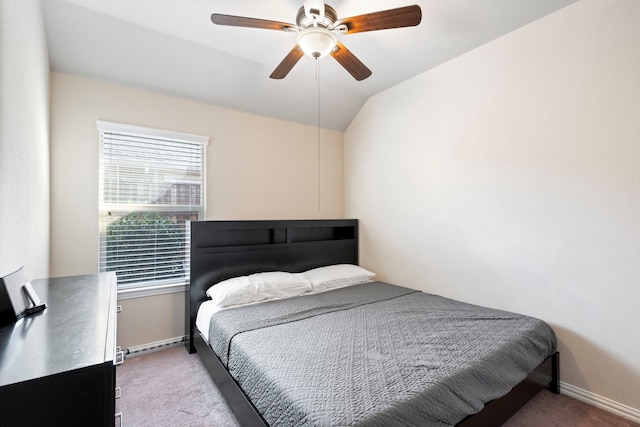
{"x": 58, "y": 367}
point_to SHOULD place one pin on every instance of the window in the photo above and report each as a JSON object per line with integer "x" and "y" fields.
{"x": 151, "y": 187}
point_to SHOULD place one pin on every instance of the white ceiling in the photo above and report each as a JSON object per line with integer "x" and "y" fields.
{"x": 171, "y": 46}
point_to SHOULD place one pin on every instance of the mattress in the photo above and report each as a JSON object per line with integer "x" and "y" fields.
{"x": 375, "y": 355}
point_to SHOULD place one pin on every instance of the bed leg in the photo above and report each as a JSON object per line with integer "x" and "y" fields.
{"x": 554, "y": 385}
{"x": 190, "y": 346}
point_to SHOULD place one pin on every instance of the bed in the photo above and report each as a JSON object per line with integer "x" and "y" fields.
{"x": 283, "y": 362}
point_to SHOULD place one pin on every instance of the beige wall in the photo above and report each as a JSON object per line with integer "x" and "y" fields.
{"x": 510, "y": 177}
{"x": 152, "y": 319}
{"x": 24, "y": 139}
{"x": 256, "y": 167}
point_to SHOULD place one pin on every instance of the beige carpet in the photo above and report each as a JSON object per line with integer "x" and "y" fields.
{"x": 550, "y": 410}
{"x": 172, "y": 388}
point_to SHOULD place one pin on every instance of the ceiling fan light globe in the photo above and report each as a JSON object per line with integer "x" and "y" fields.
{"x": 317, "y": 42}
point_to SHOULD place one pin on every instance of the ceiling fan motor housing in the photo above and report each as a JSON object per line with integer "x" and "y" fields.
{"x": 313, "y": 19}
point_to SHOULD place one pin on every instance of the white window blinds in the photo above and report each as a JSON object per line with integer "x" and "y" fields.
{"x": 151, "y": 187}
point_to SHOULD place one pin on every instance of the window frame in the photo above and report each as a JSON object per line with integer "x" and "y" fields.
{"x": 133, "y": 290}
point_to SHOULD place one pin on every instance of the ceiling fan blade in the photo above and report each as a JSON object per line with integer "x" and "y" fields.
{"x": 407, "y": 16}
{"x": 241, "y": 21}
{"x": 348, "y": 60}
{"x": 287, "y": 63}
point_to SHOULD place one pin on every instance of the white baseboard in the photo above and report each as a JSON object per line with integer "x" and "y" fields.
{"x": 593, "y": 399}
{"x": 139, "y": 350}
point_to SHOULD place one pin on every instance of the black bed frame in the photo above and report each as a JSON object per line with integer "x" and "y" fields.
{"x": 225, "y": 249}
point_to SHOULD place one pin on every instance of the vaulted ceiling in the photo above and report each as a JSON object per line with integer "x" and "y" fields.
{"x": 171, "y": 46}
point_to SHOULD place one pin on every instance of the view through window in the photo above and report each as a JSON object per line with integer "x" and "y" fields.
{"x": 151, "y": 187}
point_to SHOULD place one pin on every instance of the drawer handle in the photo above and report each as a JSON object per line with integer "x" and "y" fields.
{"x": 118, "y": 393}
{"x": 118, "y": 419}
{"x": 119, "y": 356}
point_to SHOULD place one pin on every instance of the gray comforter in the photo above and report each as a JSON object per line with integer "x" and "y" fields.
{"x": 376, "y": 355}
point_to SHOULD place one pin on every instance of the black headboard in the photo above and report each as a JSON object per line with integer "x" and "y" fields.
{"x": 224, "y": 249}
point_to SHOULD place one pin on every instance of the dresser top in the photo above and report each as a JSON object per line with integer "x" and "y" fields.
{"x": 76, "y": 330}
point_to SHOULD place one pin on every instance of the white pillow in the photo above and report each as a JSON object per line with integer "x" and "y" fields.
{"x": 234, "y": 291}
{"x": 279, "y": 284}
{"x": 335, "y": 276}
{"x": 258, "y": 287}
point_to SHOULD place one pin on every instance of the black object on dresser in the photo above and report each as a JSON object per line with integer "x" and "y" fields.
{"x": 58, "y": 367}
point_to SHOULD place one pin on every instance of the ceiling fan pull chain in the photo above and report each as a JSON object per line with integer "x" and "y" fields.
{"x": 318, "y": 124}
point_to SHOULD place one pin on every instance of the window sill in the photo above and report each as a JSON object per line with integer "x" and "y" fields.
{"x": 148, "y": 291}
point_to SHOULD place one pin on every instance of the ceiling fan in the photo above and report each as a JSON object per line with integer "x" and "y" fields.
{"x": 318, "y": 24}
